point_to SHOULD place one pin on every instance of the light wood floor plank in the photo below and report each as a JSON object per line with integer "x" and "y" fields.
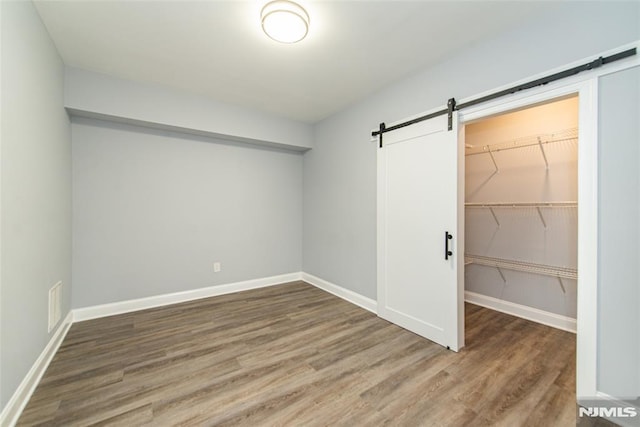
{"x": 292, "y": 355}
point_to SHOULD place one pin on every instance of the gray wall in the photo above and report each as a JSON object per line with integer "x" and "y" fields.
{"x": 35, "y": 191}
{"x": 153, "y": 210}
{"x": 340, "y": 171}
{"x": 96, "y": 94}
{"x": 619, "y": 235}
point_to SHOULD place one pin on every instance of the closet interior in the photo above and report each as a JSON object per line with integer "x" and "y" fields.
{"x": 521, "y": 212}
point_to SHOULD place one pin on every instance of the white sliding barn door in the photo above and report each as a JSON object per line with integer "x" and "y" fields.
{"x": 418, "y": 202}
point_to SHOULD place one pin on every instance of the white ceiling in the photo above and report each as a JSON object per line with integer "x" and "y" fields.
{"x": 217, "y": 48}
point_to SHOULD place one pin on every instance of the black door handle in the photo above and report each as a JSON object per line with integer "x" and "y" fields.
{"x": 447, "y": 252}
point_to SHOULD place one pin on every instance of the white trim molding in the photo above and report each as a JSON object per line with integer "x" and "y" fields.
{"x": 121, "y": 307}
{"x": 616, "y": 402}
{"x": 346, "y": 294}
{"x": 103, "y": 310}
{"x": 535, "y": 315}
{"x": 15, "y": 406}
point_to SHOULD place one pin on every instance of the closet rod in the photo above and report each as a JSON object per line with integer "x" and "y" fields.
{"x": 451, "y": 106}
{"x": 492, "y": 149}
{"x": 527, "y": 267}
{"x": 523, "y": 205}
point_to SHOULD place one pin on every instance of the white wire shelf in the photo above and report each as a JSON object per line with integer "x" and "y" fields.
{"x": 527, "y": 267}
{"x": 565, "y": 135}
{"x": 569, "y": 204}
{"x": 536, "y": 140}
{"x": 547, "y": 270}
{"x": 537, "y": 205}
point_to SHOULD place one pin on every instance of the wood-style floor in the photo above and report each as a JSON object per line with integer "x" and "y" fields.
{"x": 295, "y": 355}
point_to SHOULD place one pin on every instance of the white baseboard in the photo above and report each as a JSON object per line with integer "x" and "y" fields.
{"x": 339, "y": 291}
{"x": 103, "y": 310}
{"x": 613, "y": 402}
{"x": 15, "y": 406}
{"x": 546, "y": 318}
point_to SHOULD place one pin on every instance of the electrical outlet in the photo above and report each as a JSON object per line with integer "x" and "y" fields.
{"x": 55, "y": 305}
{"x": 216, "y": 267}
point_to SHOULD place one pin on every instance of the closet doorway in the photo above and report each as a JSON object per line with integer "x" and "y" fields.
{"x": 584, "y": 93}
{"x": 521, "y": 212}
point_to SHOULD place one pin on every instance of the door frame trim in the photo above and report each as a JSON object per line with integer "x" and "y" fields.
{"x": 587, "y": 304}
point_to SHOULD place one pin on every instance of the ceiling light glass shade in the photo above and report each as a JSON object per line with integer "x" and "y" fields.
{"x": 285, "y": 21}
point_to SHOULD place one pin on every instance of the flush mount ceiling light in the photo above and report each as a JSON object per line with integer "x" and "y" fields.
{"x": 285, "y": 21}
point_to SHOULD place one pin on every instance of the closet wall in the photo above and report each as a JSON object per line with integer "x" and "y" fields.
{"x": 521, "y": 207}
